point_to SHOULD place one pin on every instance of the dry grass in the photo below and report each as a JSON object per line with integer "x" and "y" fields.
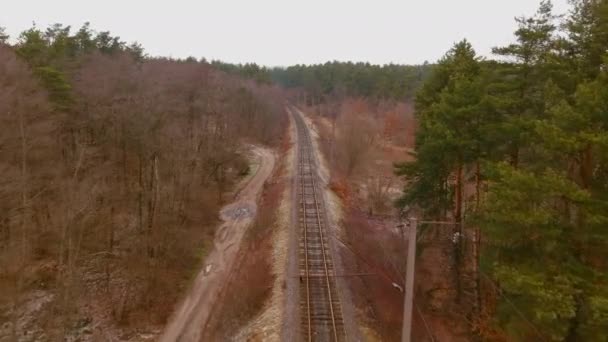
{"x": 268, "y": 324}
{"x": 370, "y": 251}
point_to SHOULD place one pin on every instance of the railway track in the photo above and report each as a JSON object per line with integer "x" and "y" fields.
{"x": 320, "y": 310}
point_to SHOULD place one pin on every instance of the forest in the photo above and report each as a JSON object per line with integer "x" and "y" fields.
{"x": 514, "y": 151}
{"x": 114, "y": 166}
{"x": 339, "y": 80}
{"x": 347, "y": 79}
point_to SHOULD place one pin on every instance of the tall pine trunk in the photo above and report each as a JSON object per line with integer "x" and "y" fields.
{"x": 458, "y": 231}
{"x": 458, "y": 206}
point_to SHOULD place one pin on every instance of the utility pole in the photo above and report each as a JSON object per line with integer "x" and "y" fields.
{"x": 406, "y": 333}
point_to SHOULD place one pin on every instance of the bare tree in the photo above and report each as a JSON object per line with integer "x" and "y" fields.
{"x": 122, "y": 186}
{"x": 24, "y": 140}
{"x": 378, "y": 194}
{"x": 356, "y": 136}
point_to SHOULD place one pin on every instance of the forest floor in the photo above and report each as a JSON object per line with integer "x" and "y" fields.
{"x": 188, "y": 322}
{"x": 36, "y": 318}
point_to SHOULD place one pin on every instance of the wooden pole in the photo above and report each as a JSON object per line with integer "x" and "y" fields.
{"x": 406, "y": 334}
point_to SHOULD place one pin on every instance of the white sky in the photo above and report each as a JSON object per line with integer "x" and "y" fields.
{"x": 285, "y": 32}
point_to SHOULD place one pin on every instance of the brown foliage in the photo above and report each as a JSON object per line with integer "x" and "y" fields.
{"x": 372, "y": 250}
{"x": 399, "y": 124}
{"x": 119, "y": 194}
{"x": 27, "y": 178}
{"x": 355, "y": 137}
{"x": 340, "y": 188}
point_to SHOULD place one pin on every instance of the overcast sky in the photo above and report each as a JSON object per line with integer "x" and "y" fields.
{"x": 285, "y": 32}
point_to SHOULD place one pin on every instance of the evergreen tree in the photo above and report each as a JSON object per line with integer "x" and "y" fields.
{"x": 51, "y": 53}
{"x": 587, "y": 30}
{"x": 390, "y": 82}
{"x": 32, "y": 46}
{"x": 448, "y": 108}
{"x": 3, "y": 35}
{"x": 108, "y": 44}
{"x": 523, "y": 82}
{"x": 535, "y": 128}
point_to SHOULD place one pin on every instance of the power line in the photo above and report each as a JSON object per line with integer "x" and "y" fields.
{"x": 409, "y": 283}
{"x": 426, "y": 325}
{"x": 517, "y": 310}
{"x": 391, "y": 280}
{"x": 501, "y": 294}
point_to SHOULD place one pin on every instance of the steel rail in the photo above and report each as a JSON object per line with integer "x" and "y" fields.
{"x": 307, "y": 182}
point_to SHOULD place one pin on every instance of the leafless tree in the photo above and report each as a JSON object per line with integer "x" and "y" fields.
{"x": 125, "y": 185}
{"x": 357, "y": 133}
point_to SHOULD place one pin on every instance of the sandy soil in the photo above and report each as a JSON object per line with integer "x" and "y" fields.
{"x": 189, "y": 321}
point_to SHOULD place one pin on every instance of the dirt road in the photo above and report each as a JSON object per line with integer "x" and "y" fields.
{"x": 188, "y": 322}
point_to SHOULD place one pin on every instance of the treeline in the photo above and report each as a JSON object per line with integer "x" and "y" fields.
{"x": 252, "y": 71}
{"x": 391, "y": 82}
{"x": 515, "y": 151}
{"x": 339, "y": 79}
{"x": 114, "y": 166}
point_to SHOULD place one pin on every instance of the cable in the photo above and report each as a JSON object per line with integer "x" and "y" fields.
{"x": 517, "y": 310}
{"x": 426, "y": 325}
{"x": 521, "y": 315}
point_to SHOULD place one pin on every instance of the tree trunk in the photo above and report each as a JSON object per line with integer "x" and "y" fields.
{"x": 458, "y": 232}
{"x": 515, "y": 156}
{"x": 477, "y": 185}
{"x": 586, "y": 167}
{"x": 150, "y": 244}
{"x": 458, "y": 207}
{"x": 140, "y": 195}
{"x": 23, "y": 224}
{"x": 23, "y": 185}
{"x": 123, "y": 145}
{"x": 152, "y": 202}
{"x": 110, "y": 250}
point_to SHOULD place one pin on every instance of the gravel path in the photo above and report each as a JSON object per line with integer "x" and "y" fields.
{"x": 189, "y": 321}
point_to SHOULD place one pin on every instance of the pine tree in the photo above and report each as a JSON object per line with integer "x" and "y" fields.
{"x": 545, "y": 215}
{"x": 3, "y": 35}
{"x": 448, "y": 109}
{"x": 535, "y": 131}
{"x": 523, "y": 82}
